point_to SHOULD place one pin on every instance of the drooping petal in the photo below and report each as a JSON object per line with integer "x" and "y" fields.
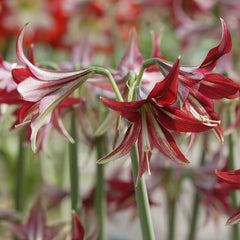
{"x": 164, "y": 141}
{"x": 235, "y": 218}
{"x": 175, "y": 119}
{"x": 229, "y": 176}
{"x": 58, "y": 125}
{"x": 129, "y": 110}
{"x": 78, "y": 230}
{"x": 125, "y": 146}
{"x": 43, "y": 74}
{"x": 202, "y": 108}
{"x": 215, "y": 53}
{"x": 49, "y": 103}
{"x": 165, "y": 92}
{"x": 216, "y": 86}
{"x": 56, "y": 116}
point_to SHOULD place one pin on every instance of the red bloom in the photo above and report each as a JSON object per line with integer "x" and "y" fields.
{"x": 35, "y": 227}
{"x": 43, "y": 90}
{"x": 197, "y": 86}
{"x": 232, "y": 178}
{"x": 152, "y": 120}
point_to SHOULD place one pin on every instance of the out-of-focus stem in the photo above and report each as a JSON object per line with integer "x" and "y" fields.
{"x": 73, "y": 167}
{"x": 195, "y": 207}
{"x": 20, "y": 174}
{"x": 100, "y": 201}
{"x": 171, "y": 219}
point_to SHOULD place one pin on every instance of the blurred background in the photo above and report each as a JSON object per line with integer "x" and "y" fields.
{"x": 61, "y": 30}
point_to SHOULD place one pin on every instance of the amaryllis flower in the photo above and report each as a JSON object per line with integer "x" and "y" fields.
{"x": 232, "y": 178}
{"x": 198, "y": 87}
{"x": 152, "y": 119}
{"x": 35, "y": 227}
{"x": 44, "y": 89}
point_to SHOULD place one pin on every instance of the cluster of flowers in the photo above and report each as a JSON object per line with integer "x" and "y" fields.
{"x": 159, "y": 99}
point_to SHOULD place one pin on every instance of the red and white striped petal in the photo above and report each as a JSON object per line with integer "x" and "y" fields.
{"x": 125, "y": 146}
{"x": 129, "y": 110}
{"x": 215, "y": 53}
{"x": 164, "y": 141}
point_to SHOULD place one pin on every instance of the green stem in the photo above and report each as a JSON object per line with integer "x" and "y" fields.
{"x": 147, "y": 63}
{"x": 195, "y": 207}
{"x": 142, "y": 199}
{"x": 231, "y": 147}
{"x": 100, "y": 201}
{"x": 105, "y": 72}
{"x": 171, "y": 219}
{"x": 73, "y": 167}
{"x": 20, "y": 174}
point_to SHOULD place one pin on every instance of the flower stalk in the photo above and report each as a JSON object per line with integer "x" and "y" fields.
{"x": 171, "y": 219}
{"x": 73, "y": 167}
{"x": 100, "y": 200}
{"x": 195, "y": 208}
{"x": 142, "y": 199}
{"x": 20, "y": 174}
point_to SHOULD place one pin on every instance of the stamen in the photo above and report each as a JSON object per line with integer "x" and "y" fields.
{"x": 148, "y": 149}
{"x": 145, "y": 140}
{"x": 205, "y": 118}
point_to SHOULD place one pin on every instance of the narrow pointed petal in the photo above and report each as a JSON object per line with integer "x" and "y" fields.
{"x": 164, "y": 141}
{"x": 215, "y": 53}
{"x": 129, "y": 110}
{"x": 49, "y": 103}
{"x": 132, "y": 58}
{"x": 78, "y": 230}
{"x": 216, "y": 86}
{"x": 165, "y": 92}
{"x": 155, "y": 42}
{"x": 235, "y": 218}
{"x": 36, "y": 221}
{"x": 58, "y": 125}
{"x": 43, "y": 74}
{"x": 174, "y": 119}
{"x": 202, "y": 108}
{"x": 230, "y": 176}
{"x": 126, "y": 145}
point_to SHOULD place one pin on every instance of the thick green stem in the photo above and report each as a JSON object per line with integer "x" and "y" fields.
{"x": 231, "y": 147}
{"x": 171, "y": 219}
{"x": 73, "y": 167}
{"x": 20, "y": 174}
{"x": 100, "y": 201}
{"x": 142, "y": 199}
{"x": 195, "y": 207}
